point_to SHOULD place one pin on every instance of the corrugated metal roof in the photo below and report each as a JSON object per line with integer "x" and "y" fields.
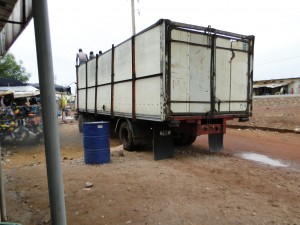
{"x": 6, "y": 9}
{"x": 14, "y": 17}
{"x": 10, "y": 82}
{"x": 271, "y": 85}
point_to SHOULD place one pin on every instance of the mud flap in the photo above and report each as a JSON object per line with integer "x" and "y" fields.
{"x": 215, "y": 142}
{"x": 163, "y": 147}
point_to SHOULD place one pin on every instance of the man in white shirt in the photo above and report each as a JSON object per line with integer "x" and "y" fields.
{"x": 81, "y": 57}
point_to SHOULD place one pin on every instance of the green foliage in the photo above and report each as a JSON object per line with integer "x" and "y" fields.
{"x": 10, "y": 68}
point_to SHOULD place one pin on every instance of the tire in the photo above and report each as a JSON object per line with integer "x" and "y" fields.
{"x": 82, "y": 119}
{"x": 184, "y": 139}
{"x": 125, "y": 136}
{"x": 190, "y": 139}
{"x": 177, "y": 139}
{"x": 80, "y": 123}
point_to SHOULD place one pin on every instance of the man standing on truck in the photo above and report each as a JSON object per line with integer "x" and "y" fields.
{"x": 81, "y": 57}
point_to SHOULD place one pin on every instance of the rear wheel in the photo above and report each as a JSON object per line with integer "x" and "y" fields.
{"x": 82, "y": 119}
{"x": 80, "y": 123}
{"x": 125, "y": 136}
{"x": 190, "y": 139}
{"x": 184, "y": 139}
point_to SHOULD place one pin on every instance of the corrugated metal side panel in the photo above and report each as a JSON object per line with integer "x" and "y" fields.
{"x": 190, "y": 73}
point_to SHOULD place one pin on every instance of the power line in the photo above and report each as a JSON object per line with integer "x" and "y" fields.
{"x": 280, "y": 60}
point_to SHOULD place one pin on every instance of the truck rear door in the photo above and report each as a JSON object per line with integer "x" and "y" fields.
{"x": 210, "y": 73}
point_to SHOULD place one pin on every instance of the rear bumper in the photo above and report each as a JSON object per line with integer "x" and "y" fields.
{"x": 204, "y": 124}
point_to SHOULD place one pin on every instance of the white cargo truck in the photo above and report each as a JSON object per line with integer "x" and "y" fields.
{"x": 169, "y": 84}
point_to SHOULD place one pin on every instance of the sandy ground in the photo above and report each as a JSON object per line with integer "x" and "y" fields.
{"x": 281, "y": 113}
{"x": 194, "y": 187}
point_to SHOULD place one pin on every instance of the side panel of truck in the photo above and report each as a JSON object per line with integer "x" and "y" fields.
{"x": 103, "y": 76}
{"x": 81, "y": 91}
{"x": 149, "y": 73}
{"x": 114, "y": 74}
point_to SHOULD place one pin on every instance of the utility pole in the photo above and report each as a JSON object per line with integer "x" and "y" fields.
{"x": 133, "y": 17}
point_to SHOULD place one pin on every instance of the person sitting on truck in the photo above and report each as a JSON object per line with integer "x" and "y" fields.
{"x": 92, "y": 56}
{"x": 81, "y": 57}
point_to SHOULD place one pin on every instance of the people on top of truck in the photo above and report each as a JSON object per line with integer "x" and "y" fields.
{"x": 92, "y": 56}
{"x": 81, "y": 57}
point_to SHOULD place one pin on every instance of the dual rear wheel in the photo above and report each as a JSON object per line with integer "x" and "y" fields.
{"x": 125, "y": 136}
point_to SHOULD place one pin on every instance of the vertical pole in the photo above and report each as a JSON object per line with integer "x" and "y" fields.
{"x": 133, "y": 79}
{"x": 47, "y": 88}
{"x": 96, "y": 84}
{"x": 112, "y": 81}
{"x": 86, "y": 87}
{"x": 213, "y": 74}
{"x": 62, "y": 110}
{"x": 2, "y": 195}
{"x": 76, "y": 91}
{"x": 133, "y": 17}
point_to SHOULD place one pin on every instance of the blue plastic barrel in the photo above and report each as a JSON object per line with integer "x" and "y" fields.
{"x": 96, "y": 142}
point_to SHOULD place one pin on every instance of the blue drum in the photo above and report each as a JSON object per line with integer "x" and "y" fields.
{"x": 96, "y": 142}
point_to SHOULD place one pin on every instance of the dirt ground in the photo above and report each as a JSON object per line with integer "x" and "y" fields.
{"x": 281, "y": 113}
{"x": 194, "y": 187}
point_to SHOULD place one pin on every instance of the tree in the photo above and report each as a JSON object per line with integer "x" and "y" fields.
{"x": 10, "y": 68}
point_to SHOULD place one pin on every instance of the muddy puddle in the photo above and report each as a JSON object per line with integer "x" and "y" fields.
{"x": 263, "y": 159}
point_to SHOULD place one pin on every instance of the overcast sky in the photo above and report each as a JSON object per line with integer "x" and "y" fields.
{"x": 95, "y": 25}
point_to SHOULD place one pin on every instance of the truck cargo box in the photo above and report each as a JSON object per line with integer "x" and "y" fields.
{"x": 170, "y": 69}
{"x": 171, "y": 72}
